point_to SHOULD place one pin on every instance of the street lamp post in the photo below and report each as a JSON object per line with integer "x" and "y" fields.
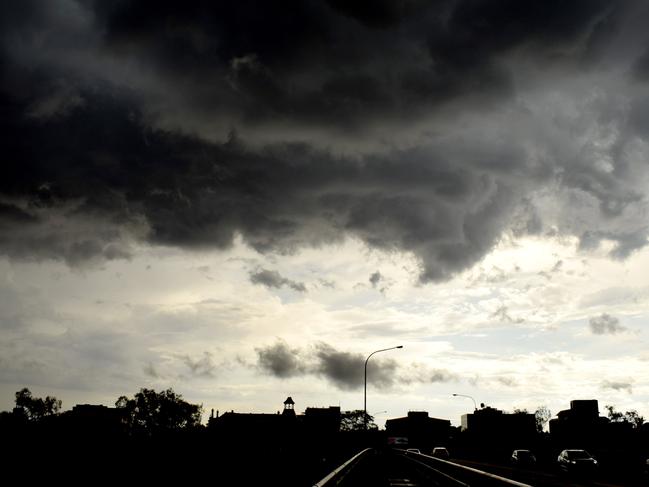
{"x": 365, "y": 387}
{"x": 475, "y": 407}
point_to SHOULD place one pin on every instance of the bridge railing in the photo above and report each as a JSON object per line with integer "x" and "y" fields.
{"x": 338, "y": 474}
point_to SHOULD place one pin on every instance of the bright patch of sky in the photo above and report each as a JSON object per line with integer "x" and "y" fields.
{"x": 536, "y": 322}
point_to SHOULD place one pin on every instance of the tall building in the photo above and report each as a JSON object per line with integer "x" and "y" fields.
{"x": 580, "y": 426}
{"x": 496, "y": 429}
{"x": 422, "y": 431}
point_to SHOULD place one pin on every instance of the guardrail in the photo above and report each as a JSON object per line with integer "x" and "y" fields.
{"x": 338, "y": 474}
{"x": 460, "y": 475}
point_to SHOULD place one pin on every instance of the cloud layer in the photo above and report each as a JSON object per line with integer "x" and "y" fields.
{"x": 428, "y": 129}
{"x": 345, "y": 370}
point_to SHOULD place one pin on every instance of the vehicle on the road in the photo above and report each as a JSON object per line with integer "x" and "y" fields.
{"x": 523, "y": 458}
{"x": 397, "y": 441}
{"x": 576, "y": 462}
{"x": 413, "y": 450}
{"x": 441, "y": 452}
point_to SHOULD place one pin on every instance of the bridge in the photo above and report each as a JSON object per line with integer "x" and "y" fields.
{"x": 401, "y": 468}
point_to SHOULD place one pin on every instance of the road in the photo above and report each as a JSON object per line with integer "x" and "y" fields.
{"x": 544, "y": 478}
{"x": 393, "y": 469}
{"x": 384, "y": 469}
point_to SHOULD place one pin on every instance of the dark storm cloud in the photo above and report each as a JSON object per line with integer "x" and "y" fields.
{"x": 273, "y": 279}
{"x": 280, "y": 360}
{"x": 375, "y": 278}
{"x": 618, "y": 386}
{"x": 291, "y": 124}
{"x": 380, "y": 13}
{"x": 344, "y": 369}
{"x": 605, "y": 325}
{"x": 442, "y": 375}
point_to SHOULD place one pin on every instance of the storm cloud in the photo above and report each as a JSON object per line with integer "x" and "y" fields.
{"x": 273, "y": 279}
{"x": 345, "y": 370}
{"x": 280, "y": 360}
{"x": 375, "y": 278}
{"x": 605, "y": 325}
{"x": 423, "y": 128}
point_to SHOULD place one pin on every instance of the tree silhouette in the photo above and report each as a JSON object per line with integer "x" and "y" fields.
{"x": 36, "y": 408}
{"x": 152, "y": 412}
{"x": 542, "y": 415}
{"x": 355, "y": 421}
{"x": 632, "y": 417}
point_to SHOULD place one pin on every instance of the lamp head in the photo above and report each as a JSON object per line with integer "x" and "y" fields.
{"x": 400, "y": 346}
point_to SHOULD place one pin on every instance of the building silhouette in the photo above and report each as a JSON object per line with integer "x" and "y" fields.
{"x": 580, "y": 426}
{"x": 494, "y": 430}
{"x": 422, "y": 431}
{"x": 289, "y": 407}
{"x": 322, "y": 421}
{"x": 276, "y": 430}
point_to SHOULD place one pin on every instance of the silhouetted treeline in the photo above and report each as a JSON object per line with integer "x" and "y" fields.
{"x": 150, "y": 412}
{"x": 158, "y": 436}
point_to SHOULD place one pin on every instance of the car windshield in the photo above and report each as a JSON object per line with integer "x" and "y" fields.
{"x": 524, "y": 454}
{"x": 578, "y": 455}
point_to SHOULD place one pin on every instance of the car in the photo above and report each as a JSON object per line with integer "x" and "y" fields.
{"x": 523, "y": 458}
{"x": 413, "y": 450}
{"x": 441, "y": 452}
{"x": 577, "y": 462}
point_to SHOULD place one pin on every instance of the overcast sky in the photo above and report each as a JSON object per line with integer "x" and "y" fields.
{"x": 242, "y": 200}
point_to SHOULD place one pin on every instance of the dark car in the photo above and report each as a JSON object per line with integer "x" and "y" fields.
{"x": 577, "y": 462}
{"x": 441, "y": 452}
{"x": 523, "y": 458}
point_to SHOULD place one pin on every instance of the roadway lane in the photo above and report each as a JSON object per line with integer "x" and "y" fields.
{"x": 384, "y": 469}
{"x": 541, "y": 478}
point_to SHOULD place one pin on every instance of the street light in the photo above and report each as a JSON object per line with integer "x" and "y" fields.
{"x": 475, "y": 408}
{"x": 365, "y": 387}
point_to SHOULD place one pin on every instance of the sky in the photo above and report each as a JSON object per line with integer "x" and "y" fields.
{"x": 243, "y": 200}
